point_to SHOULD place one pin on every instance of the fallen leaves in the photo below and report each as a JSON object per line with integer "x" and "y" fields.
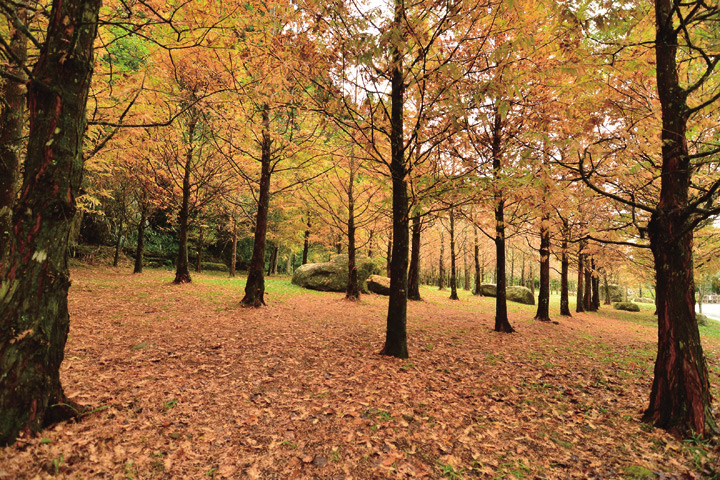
{"x": 297, "y": 390}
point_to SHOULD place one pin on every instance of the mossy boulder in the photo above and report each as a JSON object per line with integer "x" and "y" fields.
{"x": 627, "y": 306}
{"x": 378, "y": 284}
{"x": 520, "y": 294}
{"x": 701, "y": 319}
{"x": 332, "y": 276}
{"x": 643, "y": 300}
{"x": 488, "y": 289}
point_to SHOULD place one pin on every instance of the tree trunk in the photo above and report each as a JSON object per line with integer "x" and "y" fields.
{"x": 466, "y": 272}
{"x": 543, "y": 310}
{"x": 414, "y": 271}
{"x": 306, "y": 244}
{"x": 595, "y": 290}
{"x": 453, "y": 271}
{"x": 478, "y": 275}
{"x": 564, "y": 270}
{"x": 233, "y": 255}
{"x": 11, "y": 141}
{"x": 680, "y": 400}
{"x": 441, "y": 266}
{"x": 198, "y": 260}
{"x": 607, "y": 290}
{"x": 182, "y": 270}
{"x": 580, "y": 304}
{"x": 502, "y": 324}
{"x": 34, "y": 318}
{"x": 272, "y": 265}
{"x": 290, "y": 263}
{"x": 140, "y": 249}
{"x": 118, "y": 245}
{"x": 353, "y": 290}
{"x": 255, "y": 285}
{"x": 587, "y": 294}
{"x": 396, "y": 334}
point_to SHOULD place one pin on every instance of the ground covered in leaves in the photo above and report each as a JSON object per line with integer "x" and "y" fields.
{"x": 181, "y": 382}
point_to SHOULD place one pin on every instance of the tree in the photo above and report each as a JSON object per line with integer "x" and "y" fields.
{"x": 33, "y": 296}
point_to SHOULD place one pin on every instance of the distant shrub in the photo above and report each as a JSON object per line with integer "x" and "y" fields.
{"x": 627, "y": 306}
{"x": 701, "y": 319}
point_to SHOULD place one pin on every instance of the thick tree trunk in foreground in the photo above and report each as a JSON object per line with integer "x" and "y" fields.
{"x": 414, "y": 271}
{"x": 140, "y": 249}
{"x": 12, "y": 107}
{"x": 564, "y": 271}
{"x": 453, "y": 268}
{"x": 396, "y": 333}
{"x": 255, "y": 285}
{"x": 478, "y": 275}
{"x": 543, "y": 310}
{"x": 680, "y": 400}
{"x": 34, "y": 317}
{"x": 182, "y": 269}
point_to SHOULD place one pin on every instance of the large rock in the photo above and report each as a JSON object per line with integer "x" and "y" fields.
{"x": 378, "y": 284}
{"x": 520, "y": 294}
{"x": 488, "y": 289}
{"x": 332, "y": 276}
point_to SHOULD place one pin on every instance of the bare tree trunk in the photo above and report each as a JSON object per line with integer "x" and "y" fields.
{"x": 34, "y": 320}
{"x": 564, "y": 272}
{"x": 198, "y": 260}
{"x": 255, "y": 285}
{"x": 306, "y": 244}
{"x": 182, "y": 271}
{"x": 580, "y": 304}
{"x": 414, "y": 271}
{"x": 396, "y": 332}
{"x": 453, "y": 271}
{"x": 478, "y": 275}
{"x": 11, "y": 124}
{"x": 119, "y": 244}
{"x": 441, "y": 267}
{"x": 680, "y": 400}
{"x": 140, "y": 250}
{"x": 233, "y": 256}
{"x": 543, "y": 310}
{"x": 353, "y": 290}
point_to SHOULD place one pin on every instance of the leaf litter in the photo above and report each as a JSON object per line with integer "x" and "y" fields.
{"x": 179, "y": 381}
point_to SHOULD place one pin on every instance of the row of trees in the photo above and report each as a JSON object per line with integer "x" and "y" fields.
{"x": 508, "y": 117}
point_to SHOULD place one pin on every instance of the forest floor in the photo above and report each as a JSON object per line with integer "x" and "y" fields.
{"x": 181, "y": 382}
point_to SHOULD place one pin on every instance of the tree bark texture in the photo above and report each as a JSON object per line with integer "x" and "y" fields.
{"x": 11, "y": 141}
{"x": 353, "y": 290}
{"x": 543, "y": 310}
{"x": 564, "y": 272}
{"x": 182, "y": 269}
{"x": 140, "y": 248}
{"x": 580, "y": 304}
{"x": 34, "y": 318}
{"x": 502, "y": 324}
{"x": 396, "y": 332}
{"x": 414, "y": 270}
{"x": 441, "y": 261}
{"x": 453, "y": 267}
{"x": 478, "y": 275}
{"x": 255, "y": 285}
{"x": 680, "y": 400}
